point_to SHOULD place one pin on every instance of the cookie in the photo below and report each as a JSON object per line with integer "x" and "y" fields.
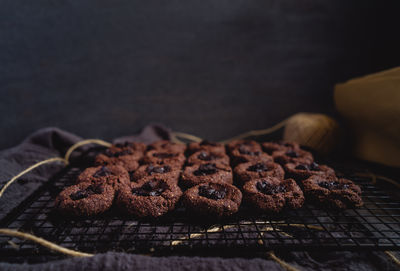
{"x": 113, "y": 175}
{"x": 302, "y": 171}
{"x": 204, "y": 173}
{"x": 255, "y": 170}
{"x": 332, "y": 192}
{"x": 206, "y": 145}
{"x": 245, "y": 154}
{"x": 292, "y": 156}
{"x": 85, "y": 199}
{"x": 244, "y": 144}
{"x": 272, "y": 195}
{"x": 206, "y": 156}
{"x": 150, "y": 197}
{"x": 126, "y": 155}
{"x": 173, "y": 159}
{"x": 271, "y": 147}
{"x": 165, "y": 145}
{"x": 162, "y": 171}
{"x": 213, "y": 199}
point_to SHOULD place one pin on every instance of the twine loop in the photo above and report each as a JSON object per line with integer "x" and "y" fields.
{"x": 64, "y": 159}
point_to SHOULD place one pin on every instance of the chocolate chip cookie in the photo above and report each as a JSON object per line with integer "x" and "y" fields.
{"x": 206, "y": 156}
{"x": 213, "y": 199}
{"x": 332, "y": 192}
{"x": 126, "y": 155}
{"x": 301, "y": 171}
{"x": 244, "y": 155}
{"x": 271, "y": 147}
{"x": 206, "y": 145}
{"x": 255, "y": 170}
{"x": 292, "y": 156}
{"x": 162, "y": 171}
{"x": 113, "y": 175}
{"x": 204, "y": 173}
{"x": 85, "y": 199}
{"x": 272, "y": 195}
{"x": 173, "y": 159}
{"x": 150, "y": 197}
{"x": 244, "y": 144}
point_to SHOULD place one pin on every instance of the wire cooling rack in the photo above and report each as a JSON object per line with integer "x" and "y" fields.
{"x": 375, "y": 226}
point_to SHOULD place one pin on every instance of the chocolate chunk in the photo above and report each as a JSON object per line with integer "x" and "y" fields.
{"x": 102, "y": 172}
{"x": 131, "y": 175}
{"x": 206, "y": 169}
{"x": 163, "y": 155}
{"x": 154, "y": 169}
{"x": 90, "y": 190}
{"x": 151, "y": 188}
{"x": 205, "y": 156}
{"x": 314, "y": 166}
{"x": 259, "y": 167}
{"x": 81, "y": 194}
{"x": 95, "y": 189}
{"x": 150, "y": 185}
{"x": 212, "y": 193}
{"x": 269, "y": 189}
{"x": 302, "y": 167}
{"x": 244, "y": 150}
{"x": 333, "y": 185}
{"x": 292, "y": 154}
{"x": 311, "y": 167}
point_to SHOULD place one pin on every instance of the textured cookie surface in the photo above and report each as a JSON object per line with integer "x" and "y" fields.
{"x": 213, "y": 199}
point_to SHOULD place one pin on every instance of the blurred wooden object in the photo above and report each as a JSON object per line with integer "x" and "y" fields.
{"x": 371, "y": 106}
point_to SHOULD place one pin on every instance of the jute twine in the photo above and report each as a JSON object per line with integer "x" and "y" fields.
{"x": 64, "y": 159}
{"x": 32, "y": 237}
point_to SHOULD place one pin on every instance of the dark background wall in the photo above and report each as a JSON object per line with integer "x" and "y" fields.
{"x": 213, "y": 68}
